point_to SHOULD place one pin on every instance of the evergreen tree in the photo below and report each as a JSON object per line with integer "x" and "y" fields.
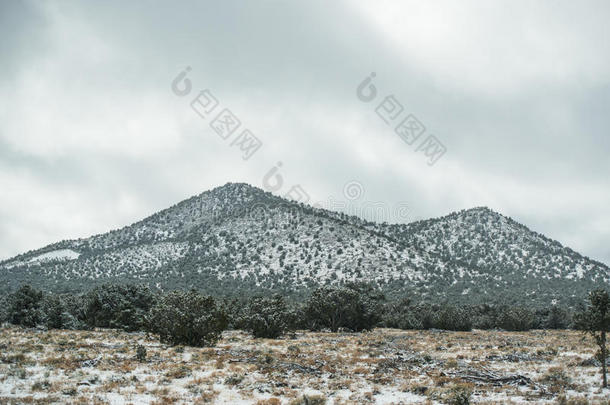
{"x": 356, "y": 307}
{"x": 595, "y": 321}
{"x": 187, "y": 318}
{"x": 266, "y": 317}
{"x": 24, "y": 306}
{"x": 119, "y": 306}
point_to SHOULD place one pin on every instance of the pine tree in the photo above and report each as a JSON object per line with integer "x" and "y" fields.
{"x": 24, "y": 308}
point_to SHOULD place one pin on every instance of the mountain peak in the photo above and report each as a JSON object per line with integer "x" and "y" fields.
{"x": 218, "y": 241}
{"x": 482, "y": 211}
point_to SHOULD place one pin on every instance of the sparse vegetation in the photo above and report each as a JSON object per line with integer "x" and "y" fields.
{"x": 141, "y": 353}
{"x": 381, "y": 366}
{"x": 595, "y": 321}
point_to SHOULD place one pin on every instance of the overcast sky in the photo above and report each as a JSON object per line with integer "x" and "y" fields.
{"x": 93, "y": 138}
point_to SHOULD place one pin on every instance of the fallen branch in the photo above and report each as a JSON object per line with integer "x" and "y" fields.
{"x": 489, "y": 377}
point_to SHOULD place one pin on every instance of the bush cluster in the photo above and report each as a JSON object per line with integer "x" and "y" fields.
{"x": 354, "y": 307}
{"x": 190, "y": 318}
{"x": 118, "y": 306}
{"x": 265, "y": 317}
{"x": 404, "y": 314}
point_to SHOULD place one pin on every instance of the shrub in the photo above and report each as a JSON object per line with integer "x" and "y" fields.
{"x": 235, "y": 310}
{"x": 459, "y": 395}
{"x": 516, "y": 319}
{"x": 62, "y": 312}
{"x": 74, "y": 311}
{"x": 53, "y": 310}
{"x": 557, "y": 318}
{"x": 354, "y": 307}
{"x": 266, "y": 317}
{"x": 557, "y": 379}
{"x": 484, "y": 316}
{"x": 309, "y": 400}
{"x": 119, "y": 306}
{"x": 401, "y": 315}
{"x": 426, "y": 316}
{"x": 24, "y": 306}
{"x": 187, "y": 318}
{"x": 595, "y": 321}
{"x": 452, "y": 318}
{"x": 141, "y": 353}
{"x": 4, "y": 309}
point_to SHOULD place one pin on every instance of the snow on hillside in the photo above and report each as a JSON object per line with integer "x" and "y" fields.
{"x": 61, "y": 254}
{"x": 238, "y": 236}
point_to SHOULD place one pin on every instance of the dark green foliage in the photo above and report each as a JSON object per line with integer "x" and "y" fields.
{"x": 484, "y": 316}
{"x": 118, "y": 306}
{"x": 595, "y": 321}
{"x": 63, "y": 311}
{"x": 516, "y": 319}
{"x": 235, "y": 311}
{"x": 266, "y": 317}
{"x": 356, "y": 307}
{"x": 24, "y": 306}
{"x": 53, "y": 309}
{"x": 557, "y": 318}
{"x": 452, "y": 318}
{"x": 4, "y": 309}
{"x": 188, "y": 318}
{"x": 141, "y": 353}
{"x": 74, "y": 315}
{"x": 404, "y": 315}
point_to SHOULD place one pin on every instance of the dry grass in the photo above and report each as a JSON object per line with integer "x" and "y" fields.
{"x": 383, "y": 366}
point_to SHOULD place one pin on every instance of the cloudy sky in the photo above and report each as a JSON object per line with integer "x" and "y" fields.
{"x": 93, "y": 138}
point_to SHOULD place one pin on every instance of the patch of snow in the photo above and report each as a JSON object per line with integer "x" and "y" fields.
{"x": 61, "y": 254}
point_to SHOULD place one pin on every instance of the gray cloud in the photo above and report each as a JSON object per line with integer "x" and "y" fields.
{"x": 91, "y": 137}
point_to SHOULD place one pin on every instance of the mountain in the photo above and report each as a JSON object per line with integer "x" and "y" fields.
{"x": 239, "y": 240}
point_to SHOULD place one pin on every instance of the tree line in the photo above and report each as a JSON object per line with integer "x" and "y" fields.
{"x": 191, "y": 318}
{"x": 352, "y": 307}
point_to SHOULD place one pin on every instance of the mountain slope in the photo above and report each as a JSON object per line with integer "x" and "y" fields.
{"x": 237, "y": 239}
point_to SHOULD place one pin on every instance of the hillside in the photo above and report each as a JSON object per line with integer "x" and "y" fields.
{"x": 237, "y": 239}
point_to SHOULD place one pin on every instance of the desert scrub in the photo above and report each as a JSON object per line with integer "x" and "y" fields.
{"x": 141, "y": 353}
{"x": 179, "y": 372}
{"x": 459, "y": 395}
{"x": 188, "y": 318}
{"x": 41, "y": 385}
{"x": 270, "y": 401}
{"x": 557, "y": 379}
{"x": 562, "y": 400}
{"x": 234, "y": 379}
{"x": 309, "y": 400}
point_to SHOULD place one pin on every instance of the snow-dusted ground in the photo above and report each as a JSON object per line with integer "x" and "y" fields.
{"x": 383, "y": 366}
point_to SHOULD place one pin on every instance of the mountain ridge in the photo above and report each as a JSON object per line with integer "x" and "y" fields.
{"x": 238, "y": 238}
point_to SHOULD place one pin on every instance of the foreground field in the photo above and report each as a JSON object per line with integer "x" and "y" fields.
{"x": 384, "y": 366}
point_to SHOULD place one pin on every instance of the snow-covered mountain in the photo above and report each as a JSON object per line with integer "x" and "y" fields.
{"x": 237, "y": 239}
